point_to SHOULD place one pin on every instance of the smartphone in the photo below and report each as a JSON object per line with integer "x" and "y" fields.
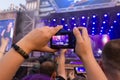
{"x": 64, "y": 39}
{"x": 79, "y": 69}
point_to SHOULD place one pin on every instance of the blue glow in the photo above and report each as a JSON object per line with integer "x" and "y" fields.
{"x": 100, "y": 33}
{"x": 105, "y": 15}
{"x": 83, "y": 17}
{"x": 94, "y": 16}
{"x": 104, "y": 22}
{"x": 102, "y": 27}
{"x": 93, "y": 31}
{"x": 93, "y": 28}
{"x": 66, "y": 24}
{"x": 111, "y": 27}
{"x": 84, "y": 23}
{"x": 108, "y": 33}
{"x": 93, "y": 22}
{"x": 54, "y": 19}
{"x": 101, "y": 30}
{"x": 118, "y": 14}
{"x": 109, "y": 30}
{"x": 115, "y": 21}
{"x": 75, "y": 24}
{"x": 73, "y": 18}
{"x": 63, "y": 19}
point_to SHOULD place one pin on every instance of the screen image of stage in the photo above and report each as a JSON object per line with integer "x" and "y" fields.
{"x": 6, "y": 31}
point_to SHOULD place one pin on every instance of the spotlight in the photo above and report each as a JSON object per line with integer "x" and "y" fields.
{"x": 94, "y": 23}
{"x": 109, "y": 30}
{"x": 63, "y": 19}
{"x": 118, "y": 14}
{"x": 105, "y": 15}
{"x": 54, "y": 19}
{"x": 73, "y": 18}
{"x": 66, "y": 24}
{"x": 115, "y": 21}
{"x": 94, "y": 16}
{"x": 75, "y": 24}
{"x": 111, "y": 27}
{"x": 93, "y": 28}
{"x": 84, "y": 24}
{"x": 104, "y": 22}
{"x": 93, "y": 31}
{"x": 101, "y": 30}
{"x": 83, "y": 17}
{"x": 101, "y": 27}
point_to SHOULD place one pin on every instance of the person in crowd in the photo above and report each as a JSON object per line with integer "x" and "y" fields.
{"x": 35, "y": 41}
{"x": 61, "y": 73}
{"x": 111, "y": 59}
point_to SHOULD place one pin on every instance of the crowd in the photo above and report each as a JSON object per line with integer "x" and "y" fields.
{"x": 49, "y": 70}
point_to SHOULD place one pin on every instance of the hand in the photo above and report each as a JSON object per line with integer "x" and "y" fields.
{"x": 71, "y": 75}
{"x": 83, "y": 43}
{"x": 63, "y": 51}
{"x": 38, "y": 39}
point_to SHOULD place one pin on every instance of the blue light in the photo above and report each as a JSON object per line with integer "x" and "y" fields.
{"x": 109, "y": 30}
{"x": 104, "y": 22}
{"x": 93, "y": 31}
{"x": 118, "y": 14}
{"x": 63, "y": 19}
{"x": 84, "y": 24}
{"x": 93, "y": 28}
{"x": 73, "y": 18}
{"x": 66, "y": 24}
{"x": 102, "y": 27}
{"x": 101, "y": 30}
{"x": 75, "y": 24}
{"x": 111, "y": 27}
{"x": 93, "y": 22}
{"x": 108, "y": 33}
{"x": 54, "y": 19}
{"x": 68, "y": 29}
{"x": 94, "y": 16}
{"x": 115, "y": 21}
{"x": 105, "y": 15}
{"x": 100, "y": 33}
{"x": 83, "y": 17}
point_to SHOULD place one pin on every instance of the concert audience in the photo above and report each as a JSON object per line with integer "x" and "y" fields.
{"x": 35, "y": 41}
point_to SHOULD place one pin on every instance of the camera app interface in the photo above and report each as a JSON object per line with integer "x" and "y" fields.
{"x": 62, "y": 40}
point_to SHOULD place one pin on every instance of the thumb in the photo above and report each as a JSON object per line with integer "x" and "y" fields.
{"x": 56, "y": 29}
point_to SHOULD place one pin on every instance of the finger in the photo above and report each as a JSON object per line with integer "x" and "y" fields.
{"x": 77, "y": 34}
{"x": 84, "y": 32}
{"x": 55, "y": 30}
{"x": 48, "y": 49}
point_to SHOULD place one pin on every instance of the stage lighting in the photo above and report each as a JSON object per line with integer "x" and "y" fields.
{"x": 105, "y": 15}
{"x": 75, "y": 24}
{"x": 93, "y": 31}
{"x": 54, "y": 19}
{"x": 115, "y": 21}
{"x": 94, "y": 16}
{"x": 102, "y": 27}
{"x": 93, "y": 28}
{"x": 101, "y": 31}
{"x": 110, "y": 30}
{"x": 83, "y": 17}
{"x": 73, "y": 18}
{"x": 94, "y": 23}
{"x": 63, "y": 19}
{"x": 84, "y": 24}
{"x": 111, "y": 27}
{"x": 104, "y": 22}
{"x": 66, "y": 24}
{"x": 118, "y": 14}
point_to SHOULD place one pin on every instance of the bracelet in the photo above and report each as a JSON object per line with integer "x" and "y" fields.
{"x": 20, "y": 51}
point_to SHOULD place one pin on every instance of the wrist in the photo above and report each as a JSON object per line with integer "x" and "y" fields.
{"x": 24, "y": 46}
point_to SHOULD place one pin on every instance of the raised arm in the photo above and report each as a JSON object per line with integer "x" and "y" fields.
{"x": 35, "y": 40}
{"x": 61, "y": 64}
{"x": 84, "y": 51}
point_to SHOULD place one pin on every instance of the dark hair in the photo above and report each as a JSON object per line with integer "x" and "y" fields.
{"x": 48, "y": 67}
{"x": 111, "y": 54}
